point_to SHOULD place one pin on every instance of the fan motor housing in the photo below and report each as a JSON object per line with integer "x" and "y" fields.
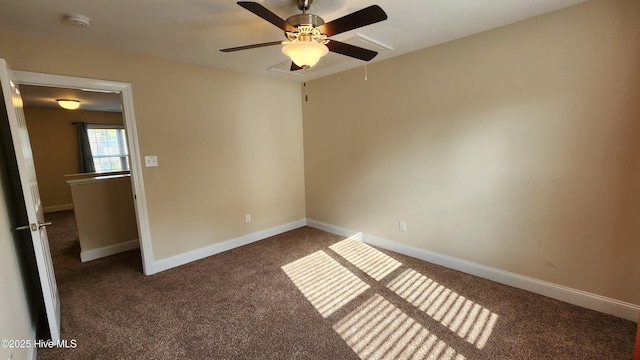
{"x": 305, "y": 19}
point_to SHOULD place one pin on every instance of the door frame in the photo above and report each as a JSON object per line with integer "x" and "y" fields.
{"x": 137, "y": 184}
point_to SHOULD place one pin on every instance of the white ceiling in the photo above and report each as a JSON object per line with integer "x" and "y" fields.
{"x": 194, "y": 31}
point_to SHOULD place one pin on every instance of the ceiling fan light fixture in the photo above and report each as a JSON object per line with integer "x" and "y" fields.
{"x": 305, "y": 54}
{"x": 68, "y": 104}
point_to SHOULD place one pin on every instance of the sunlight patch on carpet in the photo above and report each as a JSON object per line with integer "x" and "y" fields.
{"x": 379, "y": 330}
{"x": 324, "y": 282}
{"x": 373, "y": 262}
{"x": 467, "y": 319}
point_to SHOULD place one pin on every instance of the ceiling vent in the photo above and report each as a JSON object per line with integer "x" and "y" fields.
{"x": 285, "y": 67}
{"x": 367, "y": 43}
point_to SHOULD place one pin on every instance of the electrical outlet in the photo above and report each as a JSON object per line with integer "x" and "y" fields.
{"x": 151, "y": 161}
{"x": 403, "y": 225}
{"x": 247, "y": 218}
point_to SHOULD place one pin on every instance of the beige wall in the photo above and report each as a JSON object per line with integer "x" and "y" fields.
{"x": 227, "y": 143}
{"x": 104, "y": 212}
{"x": 15, "y": 320}
{"x": 55, "y": 148}
{"x": 517, "y": 148}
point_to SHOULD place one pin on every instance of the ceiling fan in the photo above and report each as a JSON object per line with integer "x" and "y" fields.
{"x": 308, "y": 35}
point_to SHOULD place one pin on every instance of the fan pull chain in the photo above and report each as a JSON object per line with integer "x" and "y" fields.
{"x": 365, "y": 72}
{"x": 306, "y": 96}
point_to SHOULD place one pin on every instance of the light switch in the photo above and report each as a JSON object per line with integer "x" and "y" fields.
{"x": 150, "y": 161}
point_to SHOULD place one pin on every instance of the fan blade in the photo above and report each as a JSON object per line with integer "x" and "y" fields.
{"x": 251, "y": 46}
{"x": 266, "y": 14}
{"x": 295, "y": 67}
{"x": 366, "y": 16}
{"x": 351, "y": 50}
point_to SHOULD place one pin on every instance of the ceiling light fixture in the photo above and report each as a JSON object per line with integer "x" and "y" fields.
{"x": 68, "y": 104}
{"x": 305, "y": 46}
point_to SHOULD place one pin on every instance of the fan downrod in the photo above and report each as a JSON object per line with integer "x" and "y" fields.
{"x": 304, "y": 5}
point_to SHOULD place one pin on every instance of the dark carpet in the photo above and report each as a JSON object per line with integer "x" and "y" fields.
{"x": 308, "y": 294}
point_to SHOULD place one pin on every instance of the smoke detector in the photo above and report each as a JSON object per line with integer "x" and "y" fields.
{"x": 77, "y": 20}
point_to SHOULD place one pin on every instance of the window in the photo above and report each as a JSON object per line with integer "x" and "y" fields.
{"x": 108, "y": 147}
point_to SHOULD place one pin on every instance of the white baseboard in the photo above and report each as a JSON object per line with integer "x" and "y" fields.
{"x": 109, "y": 250}
{"x": 207, "y": 251}
{"x": 334, "y": 229}
{"x": 50, "y": 209}
{"x": 576, "y": 297}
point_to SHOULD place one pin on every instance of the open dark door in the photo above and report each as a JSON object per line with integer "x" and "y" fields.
{"x": 35, "y": 225}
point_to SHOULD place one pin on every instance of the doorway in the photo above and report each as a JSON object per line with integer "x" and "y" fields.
{"x": 124, "y": 89}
